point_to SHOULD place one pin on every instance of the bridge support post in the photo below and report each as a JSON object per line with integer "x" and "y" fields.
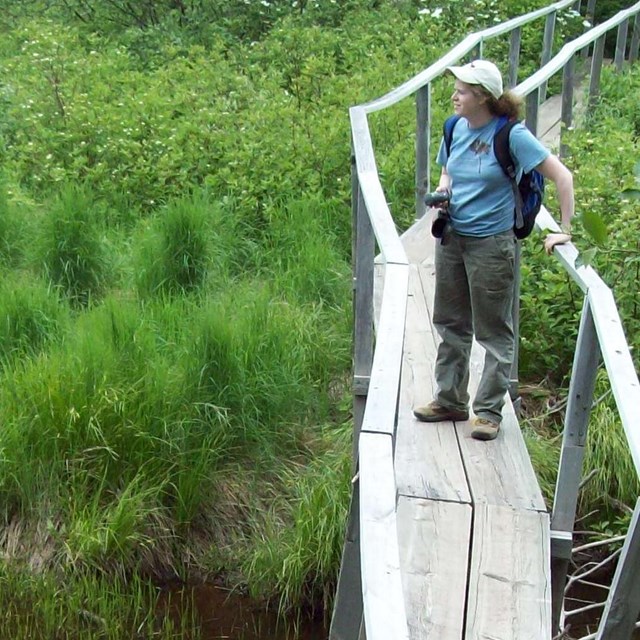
{"x": 346, "y": 621}
{"x": 596, "y": 70}
{"x": 514, "y": 383}
{"x": 621, "y": 45}
{"x": 514, "y": 56}
{"x": 583, "y": 377}
{"x": 423, "y": 134}
{"x": 635, "y": 40}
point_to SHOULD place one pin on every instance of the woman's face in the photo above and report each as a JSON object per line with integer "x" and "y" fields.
{"x": 467, "y": 99}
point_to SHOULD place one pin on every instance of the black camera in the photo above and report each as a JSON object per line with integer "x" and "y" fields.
{"x": 439, "y": 200}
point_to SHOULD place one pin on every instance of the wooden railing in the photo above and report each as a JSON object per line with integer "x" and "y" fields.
{"x": 369, "y": 600}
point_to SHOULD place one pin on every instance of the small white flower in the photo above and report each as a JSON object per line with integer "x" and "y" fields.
{"x": 586, "y": 23}
{"x": 437, "y": 12}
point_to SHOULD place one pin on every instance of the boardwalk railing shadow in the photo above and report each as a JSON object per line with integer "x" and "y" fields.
{"x": 370, "y": 601}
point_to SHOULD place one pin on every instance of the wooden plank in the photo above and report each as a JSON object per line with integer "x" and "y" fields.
{"x": 371, "y": 189}
{"x": 574, "y": 437}
{"x": 427, "y": 457}
{"x": 499, "y": 471}
{"x": 417, "y": 239}
{"x": 384, "y": 610}
{"x": 619, "y": 364}
{"x": 382, "y": 401}
{"x": 434, "y": 540}
{"x": 509, "y": 595}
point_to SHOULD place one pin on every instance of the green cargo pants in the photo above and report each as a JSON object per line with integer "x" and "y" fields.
{"x": 474, "y": 296}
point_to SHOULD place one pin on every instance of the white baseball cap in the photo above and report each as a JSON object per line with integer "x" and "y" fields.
{"x": 481, "y": 72}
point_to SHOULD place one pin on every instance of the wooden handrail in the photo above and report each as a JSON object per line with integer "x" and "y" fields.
{"x": 454, "y": 55}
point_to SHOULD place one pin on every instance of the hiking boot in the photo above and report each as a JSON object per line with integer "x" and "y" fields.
{"x": 484, "y": 429}
{"x": 435, "y": 412}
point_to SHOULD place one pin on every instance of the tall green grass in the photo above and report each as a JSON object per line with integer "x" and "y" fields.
{"x": 32, "y": 316}
{"x": 71, "y": 247}
{"x": 297, "y": 543}
{"x": 80, "y": 605}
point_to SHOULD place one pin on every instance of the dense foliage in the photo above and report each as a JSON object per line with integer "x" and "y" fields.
{"x": 175, "y": 247}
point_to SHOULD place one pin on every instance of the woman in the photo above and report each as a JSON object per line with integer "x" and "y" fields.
{"x": 475, "y": 265}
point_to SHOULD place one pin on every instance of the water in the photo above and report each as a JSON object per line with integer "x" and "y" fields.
{"x": 221, "y": 615}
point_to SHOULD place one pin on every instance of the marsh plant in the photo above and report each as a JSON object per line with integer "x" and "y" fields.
{"x": 77, "y": 605}
{"x": 71, "y": 247}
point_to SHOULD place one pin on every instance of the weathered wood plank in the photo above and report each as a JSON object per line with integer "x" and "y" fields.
{"x": 500, "y": 471}
{"x": 380, "y": 412}
{"x": 509, "y": 594}
{"x": 384, "y": 610}
{"x": 371, "y": 189}
{"x": 427, "y": 457}
{"x": 417, "y": 238}
{"x": 620, "y": 367}
{"x": 434, "y": 540}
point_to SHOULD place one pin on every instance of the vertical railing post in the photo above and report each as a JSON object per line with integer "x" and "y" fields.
{"x": 567, "y": 102}
{"x": 596, "y": 70}
{"x": 423, "y": 135}
{"x": 635, "y": 40}
{"x": 621, "y": 44}
{"x": 583, "y": 377}
{"x": 347, "y": 617}
{"x": 547, "y": 48}
{"x": 514, "y": 57}
{"x": 514, "y": 384}
{"x": 590, "y": 17}
{"x": 363, "y": 274}
{"x": 623, "y": 603}
{"x": 531, "y": 111}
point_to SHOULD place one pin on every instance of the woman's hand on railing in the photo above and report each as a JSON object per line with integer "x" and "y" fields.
{"x": 555, "y": 238}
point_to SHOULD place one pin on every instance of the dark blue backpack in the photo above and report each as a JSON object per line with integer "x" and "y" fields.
{"x": 528, "y": 192}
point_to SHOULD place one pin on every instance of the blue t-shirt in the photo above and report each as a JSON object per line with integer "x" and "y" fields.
{"x": 482, "y": 201}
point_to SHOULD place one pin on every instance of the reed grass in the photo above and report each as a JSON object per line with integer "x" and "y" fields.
{"x": 77, "y": 605}
{"x": 607, "y": 452}
{"x": 32, "y": 315}
{"x": 297, "y": 544}
{"x": 71, "y": 248}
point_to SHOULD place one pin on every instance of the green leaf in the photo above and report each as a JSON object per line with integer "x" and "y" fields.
{"x": 636, "y": 170}
{"x": 594, "y": 225}
{"x": 585, "y": 258}
{"x": 632, "y": 194}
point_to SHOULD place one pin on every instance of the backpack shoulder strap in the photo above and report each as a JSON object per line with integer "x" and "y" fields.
{"x": 505, "y": 159}
{"x": 501, "y": 146}
{"x": 447, "y": 131}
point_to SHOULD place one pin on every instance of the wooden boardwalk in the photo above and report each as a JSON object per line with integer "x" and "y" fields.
{"x": 473, "y": 528}
{"x": 448, "y": 538}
